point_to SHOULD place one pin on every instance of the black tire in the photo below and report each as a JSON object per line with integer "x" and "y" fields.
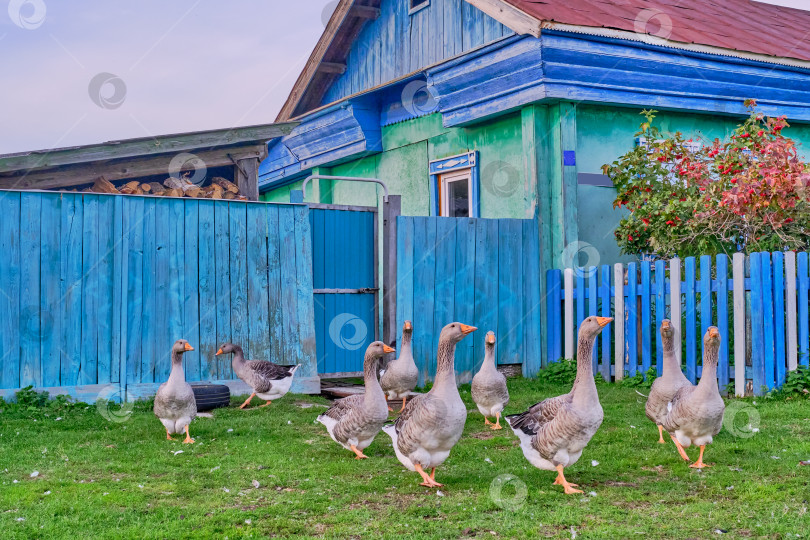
{"x": 211, "y": 396}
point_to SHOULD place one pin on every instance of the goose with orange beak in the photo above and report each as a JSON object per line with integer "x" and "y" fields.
{"x": 489, "y": 391}
{"x": 354, "y": 421}
{"x": 175, "y": 404}
{"x": 554, "y": 432}
{"x": 431, "y": 424}
{"x": 269, "y": 381}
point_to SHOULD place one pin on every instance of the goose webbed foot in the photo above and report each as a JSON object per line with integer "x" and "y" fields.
{"x": 497, "y": 424}
{"x": 429, "y": 481}
{"x": 188, "y": 439}
{"x": 168, "y": 436}
{"x": 699, "y": 463}
{"x": 561, "y": 481}
{"x": 487, "y": 422}
{"x": 359, "y": 453}
{"x": 247, "y": 401}
{"x": 266, "y": 404}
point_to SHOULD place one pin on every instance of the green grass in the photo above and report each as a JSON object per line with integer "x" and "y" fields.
{"x": 124, "y": 479}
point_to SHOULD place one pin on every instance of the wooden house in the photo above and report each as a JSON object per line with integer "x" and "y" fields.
{"x": 509, "y": 108}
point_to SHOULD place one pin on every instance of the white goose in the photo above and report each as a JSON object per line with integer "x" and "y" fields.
{"x": 354, "y": 421}
{"x": 401, "y": 375}
{"x": 431, "y": 424}
{"x": 696, "y": 412}
{"x": 554, "y": 432}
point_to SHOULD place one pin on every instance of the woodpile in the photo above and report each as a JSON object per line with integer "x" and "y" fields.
{"x": 220, "y": 188}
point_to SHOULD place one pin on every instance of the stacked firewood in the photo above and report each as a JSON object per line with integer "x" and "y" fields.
{"x": 219, "y": 188}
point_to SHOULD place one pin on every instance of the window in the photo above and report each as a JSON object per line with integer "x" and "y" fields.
{"x": 416, "y": 5}
{"x": 454, "y": 186}
{"x": 454, "y": 193}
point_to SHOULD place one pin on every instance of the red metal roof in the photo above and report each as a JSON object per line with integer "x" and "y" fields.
{"x": 742, "y": 25}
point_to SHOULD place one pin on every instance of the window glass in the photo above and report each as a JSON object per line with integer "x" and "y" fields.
{"x": 458, "y": 194}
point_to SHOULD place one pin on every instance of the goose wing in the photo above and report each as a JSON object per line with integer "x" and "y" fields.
{"x": 344, "y": 406}
{"x": 538, "y": 415}
{"x": 264, "y": 373}
{"x": 678, "y": 410}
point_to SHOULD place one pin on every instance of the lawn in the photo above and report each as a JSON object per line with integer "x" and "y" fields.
{"x": 273, "y": 472}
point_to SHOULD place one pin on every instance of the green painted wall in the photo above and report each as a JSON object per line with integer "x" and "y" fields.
{"x": 599, "y": 134}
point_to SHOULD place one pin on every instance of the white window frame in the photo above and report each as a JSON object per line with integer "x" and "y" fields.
{"x": 413, "y": 9}
{"x": 448, "y": 178}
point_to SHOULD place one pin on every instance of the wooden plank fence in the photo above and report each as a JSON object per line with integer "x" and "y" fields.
{"x": 94, "y": 289}
{"x": 764, "y": 293}
{"x": 476, "y": 271}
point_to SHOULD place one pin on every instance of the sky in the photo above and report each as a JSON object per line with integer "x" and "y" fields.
{"x": 89, "y": 71}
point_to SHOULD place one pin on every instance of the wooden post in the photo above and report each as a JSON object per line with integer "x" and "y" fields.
{"x": 391, "y": 210}
{"x": 675, "y": 303}
{"x": 246, "y": 176}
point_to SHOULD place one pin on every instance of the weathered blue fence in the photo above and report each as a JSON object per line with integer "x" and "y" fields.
{"x": 765, "y": 294}
{"x": 482, "y": 272}
{"x": 94, "y": 289}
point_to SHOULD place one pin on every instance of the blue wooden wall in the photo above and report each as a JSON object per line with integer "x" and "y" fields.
{"x": 397, "y": 43}
{"x": 96, "y": 288}
{"x": 482, "y": 272}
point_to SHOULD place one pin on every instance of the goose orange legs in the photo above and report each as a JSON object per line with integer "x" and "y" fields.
{"x": 404, "y": 400}
{"x": 429, "y": 481}
{"x": 497, "y": 424}
{"x": 661, "y": 435}
{"x": 168, "y": 437}
{"x": 266, "y": 404}
{"x": 561, "y": 481}
{"x": 358, "y": 452}
{"x": 699, "y": 463}
{"x": 245, "y": 404}
{"x": 188, "y": 439}
{"x": 681, "y": 451}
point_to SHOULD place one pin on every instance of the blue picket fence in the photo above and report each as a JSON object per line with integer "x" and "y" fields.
{"x": 765, "y": 294}
{"x": 482, "y": 272}
{"x": 96, "y": 288}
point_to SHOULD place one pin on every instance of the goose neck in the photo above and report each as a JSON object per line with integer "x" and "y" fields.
{"x": 177, "y": 374}
{"x": 445, "y": 368}
{"x": 372, "y": 384}
{"x": 584, "y": 386}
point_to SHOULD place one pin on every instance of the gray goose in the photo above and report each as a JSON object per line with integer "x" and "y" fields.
{"x": 354, "y": 421}
{"x": 175, "y": 405}
{"x": 667, "y": 385}
{"x": 489, "y": 391}
{"x": 431, "y": 424}
{"x": 401, "y": 375}
{"x": 269, "y": 381}
{"x": 554, "y": 432}
{"x": 695, "y": 414}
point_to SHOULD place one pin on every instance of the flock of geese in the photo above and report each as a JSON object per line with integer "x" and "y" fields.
{"x": 553, "y": 433}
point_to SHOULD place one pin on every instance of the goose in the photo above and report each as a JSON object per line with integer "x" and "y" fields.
{"x": 671, "y": 380}
{"x": 489, "y": 390}
{"x": 431, "y": 424}
{"x": 175, "y": 405}
{"x": 554, "y": 432}
{"x": 269, "y": 381}
{"x": 401, "y": 375}
{"x": 695, "y": 414}
{"x": 354, "y": 421}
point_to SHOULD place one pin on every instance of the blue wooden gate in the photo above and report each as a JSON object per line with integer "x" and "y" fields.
{"x": 344, "y": 266}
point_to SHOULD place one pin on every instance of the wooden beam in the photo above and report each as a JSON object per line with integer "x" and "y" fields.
{"x": 338, "y": 68}
{"x": 246, "y": 176}
{"x": 113, "y": 170}
{"x": 509, "y": 16}
{"x": 365, "y": 12}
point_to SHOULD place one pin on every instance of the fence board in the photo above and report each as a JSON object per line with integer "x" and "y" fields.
{"x": 779, "y": 318}
{"x": 593, "y": 298}
{"x": 675, "y": 312}
{"x": 532, "y": 345}
{"x": 738, "y": 274}
{"x": 30, "y": 369}
{"x": 50, "y": 293}
{"x": 604, "y": 296}
{"x": 660, "y": 313}
{"x": 631, "y": 329}
{"x": 619, "y": 343}
{"x": 191, "y": 288}
{"x": 790, "y": 309}
{"x": 757, "y": 326}
{"x": 722, "y": 319}
{"x": 804, "y": 284}
{"x": 9, "y": 299}
{"x": 645, "y": 316}
{"x": 691, "y": 322}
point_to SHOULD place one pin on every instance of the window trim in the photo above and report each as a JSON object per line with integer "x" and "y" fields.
{"x": 439, "y": 167}
{"x": 414, "y": 9}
